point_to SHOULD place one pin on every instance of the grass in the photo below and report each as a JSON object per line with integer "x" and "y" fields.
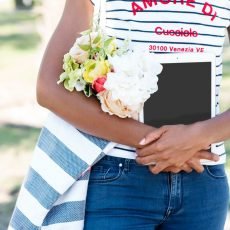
{"x": 227, "y": 145}
{"x": 18, "y": 137}
{"x": 17, "y": 18}
{"x": 17, "y": 30}
{"x": 7, "y": 207}
{"x": 226, "y": 70}
{"x": 16, "y": 146}
{"x": 19, "y": 45}
{"x": 19, "y": 41}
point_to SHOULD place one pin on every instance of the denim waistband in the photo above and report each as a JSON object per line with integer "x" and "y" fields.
{"x": 119, "y": 160}
{"x": 113, "y": 159}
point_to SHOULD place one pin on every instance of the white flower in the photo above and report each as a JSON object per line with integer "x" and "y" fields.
{"x": 126, "y": 63}
{"x": 149, "y": 63}
{"x": 78, "y": 54}
{"x": 134, "y": 78}
{"x": 80, "y": 50}
{"x": 89, "y": 39}
{"x": 80, "y": 86}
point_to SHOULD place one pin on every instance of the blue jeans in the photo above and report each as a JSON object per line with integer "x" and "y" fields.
{"x": 123, "y": 195}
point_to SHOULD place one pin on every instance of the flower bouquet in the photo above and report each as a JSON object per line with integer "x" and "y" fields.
{"x": 121, "y": 78}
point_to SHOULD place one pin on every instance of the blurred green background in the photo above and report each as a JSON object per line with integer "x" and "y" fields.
{"x": 24, "y": 31}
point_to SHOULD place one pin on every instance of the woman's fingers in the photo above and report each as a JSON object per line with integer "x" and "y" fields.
{"x": 184, "y": 167}
{"x": 187, "y": 168}
{"x": 164, "y": 166}
{"x": 172, "y": 169}
{"x": 208, "y": 156}
{"x": 148, "y": 160}
{"x": 159, "y": 167}
{"x": 208, "y": 147}
{"x": 151, "y": 149}
{"x": 195, "y": 162}
{"x": 196, "y": 165}
{"x": 154, "y": 135}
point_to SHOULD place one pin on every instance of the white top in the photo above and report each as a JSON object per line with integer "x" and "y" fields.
{"x": 171, "y": 27}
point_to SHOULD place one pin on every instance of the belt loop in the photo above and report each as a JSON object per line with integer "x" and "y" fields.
{"x": 126, "y": 167}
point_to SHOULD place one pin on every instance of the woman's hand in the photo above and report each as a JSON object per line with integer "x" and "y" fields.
{"x": 173, "y": 146}
{"x": 192, "y": 164}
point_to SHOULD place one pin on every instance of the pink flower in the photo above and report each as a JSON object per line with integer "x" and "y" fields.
{"x": 98, "y": 84}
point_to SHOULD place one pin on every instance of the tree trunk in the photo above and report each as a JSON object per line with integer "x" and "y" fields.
{"x": 23, "y": 4}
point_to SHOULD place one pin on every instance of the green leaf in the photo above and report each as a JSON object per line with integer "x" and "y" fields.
{"x": 62, "y": 77}
{"x": 69, "y": 64}
{"x": 97, "y": 39}
{"x": 72, "y": 83}
{"x": 67, "y": 86}
{"x": 88, "y": 91}
{"x": 85, "y": 47}
{"x": 108, "y": 41}
{"x": 66, "y": 57}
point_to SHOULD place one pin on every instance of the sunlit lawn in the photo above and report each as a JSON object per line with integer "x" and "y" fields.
{"x": 16, "y": 144}
{"x": 19, "y": 43}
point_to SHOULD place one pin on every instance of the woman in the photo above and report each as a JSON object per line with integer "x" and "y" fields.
{"x": 178, "y": 192}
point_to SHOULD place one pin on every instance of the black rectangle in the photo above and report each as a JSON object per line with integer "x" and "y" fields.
{"x": 183, "y": 97}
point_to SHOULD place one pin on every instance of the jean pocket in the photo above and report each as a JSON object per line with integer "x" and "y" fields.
{"x": 216, "y": 171}
{"x": 104, "y": 173}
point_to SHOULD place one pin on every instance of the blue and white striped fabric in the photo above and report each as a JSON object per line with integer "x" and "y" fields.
{"x": 54, "y": 191}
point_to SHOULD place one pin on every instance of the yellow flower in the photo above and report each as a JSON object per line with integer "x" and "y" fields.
{"x": 94, "y": 69}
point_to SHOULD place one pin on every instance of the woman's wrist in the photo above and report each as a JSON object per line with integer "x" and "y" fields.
{"x": 141, "y": 133}
{"x": 215, "y": 129}
{"x": 202, "y": 134}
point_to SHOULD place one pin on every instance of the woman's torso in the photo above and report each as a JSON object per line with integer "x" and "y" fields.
{"x": 169, "y": 26}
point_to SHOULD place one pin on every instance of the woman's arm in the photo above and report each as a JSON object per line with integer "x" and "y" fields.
{"x": 218, "y": 128}
{"x": 82, "y": 112}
